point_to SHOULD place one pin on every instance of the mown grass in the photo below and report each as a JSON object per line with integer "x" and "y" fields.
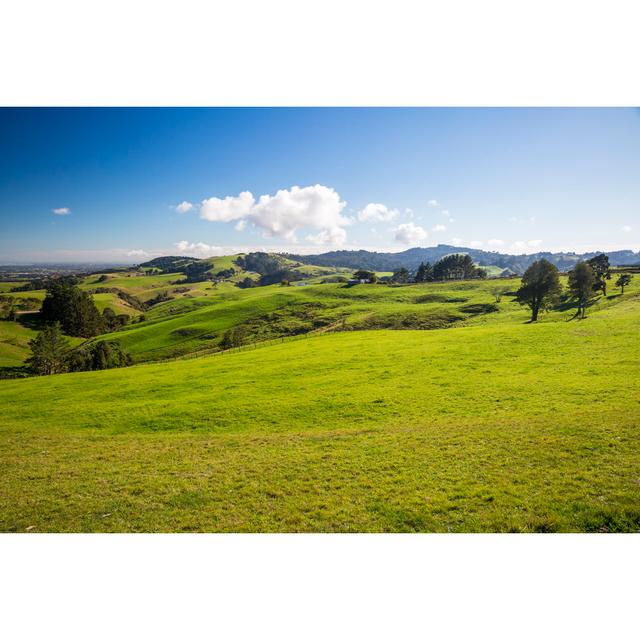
{"x": 499, "y": 426}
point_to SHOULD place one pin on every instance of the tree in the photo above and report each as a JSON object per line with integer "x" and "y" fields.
{"x": 234, "y": 337}
{"x": 72, "y": 308}
{"x": 457, "y": 266}
{"x": 99, "y": 355}
{"x": 602, "y": 272}
{"x": 361, "y": 274}
{"x": 401, "y": 276}
{"x": 48, "y": 350}
{"x": 582, "y": 282}
{"x": 424, "y": 272}
{"x": 540, "y": 287}
{"x": 623, "y": 281}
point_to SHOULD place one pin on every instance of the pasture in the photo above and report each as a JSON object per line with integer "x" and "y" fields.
{"x": 494, "y": 425}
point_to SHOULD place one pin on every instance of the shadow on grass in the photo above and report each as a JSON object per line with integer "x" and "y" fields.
{"x": 31, "y": 321}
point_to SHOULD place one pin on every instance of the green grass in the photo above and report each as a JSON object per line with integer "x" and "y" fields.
{"x": 494, "y": 426}
{"x": 14, "y": 343}
{"x": 198, "y": 320}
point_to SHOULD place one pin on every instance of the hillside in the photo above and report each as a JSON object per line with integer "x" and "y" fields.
{"x": 411, "y": 258}
{"x": 499, "y": 426}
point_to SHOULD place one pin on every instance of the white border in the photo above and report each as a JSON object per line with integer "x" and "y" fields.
{"x": 315, "y": 586}
{"x": 334, "y": 52}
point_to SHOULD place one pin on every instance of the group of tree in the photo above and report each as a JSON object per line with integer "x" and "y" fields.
{"x": 51, "y": 353}
{"x": 541, "y": 288}
{"x": 457, "y": 266}
{"x": 73, "y": 308}
{"x": 197, "y": 272}
{"x": 366, "y": 276}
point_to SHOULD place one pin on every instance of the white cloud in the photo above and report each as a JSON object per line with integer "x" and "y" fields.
{"x": 476, "y": 244}
{"x": 456, "y": 241}
{"x": 315, "y": 207}
{"x": 198, "y": 249}
{"x": 534, "y": 243}
{"x": 184, "y": 207}
{"x": 332, "y": 237}
{"x": 61, "y": 211}
{"x": 519, "y": 245}
{"x": 241, "y": 225}
{"x": 410, "y": 233}
{"x": 433, "y": 203}
{"x": 446, "y": 213}
{"x": 138, "y": 253}
{"x": 626, "y": 228}
{"x": 227, "y": 209}
{"x": 409, "y": 212}
{"x": 513, "y": 219}
{"x": 377, "y": 212}
{"x": 439, "y": 227}
{"x": 532, "y": 219}
{"x": 495, "y": 242}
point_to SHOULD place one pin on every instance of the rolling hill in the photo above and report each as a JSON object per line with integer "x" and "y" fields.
{"x": 495, "y": 426}
{"x": 411, "y": 258}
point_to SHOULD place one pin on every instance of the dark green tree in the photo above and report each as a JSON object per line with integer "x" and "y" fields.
{"x": 582, "y": 282}
{"x": 602, "y": 272}
{"x": 540, "y": 287}
{"x": 362, "y": 274}
{"x": 99, "y": 355}
{"x": 48, "y": 350}
{"x": 234, "y": 337}
{"x": 72, "y": 308}
{"x": 424, "y": 272}
{"x": 623, "y": 280}
{"x": 401, "y": 276}
{"x": 457, "y": 266}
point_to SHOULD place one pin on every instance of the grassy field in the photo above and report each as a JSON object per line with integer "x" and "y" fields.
{"x": 14, "y": 343}
{"x": 496, "y": 425}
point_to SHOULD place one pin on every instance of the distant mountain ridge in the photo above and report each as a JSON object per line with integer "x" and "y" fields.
{"x": 411, "y": 258}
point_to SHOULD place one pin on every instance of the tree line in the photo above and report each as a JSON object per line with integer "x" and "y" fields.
{"x": 69, "y": 310}
{"x": 540, "y": 288}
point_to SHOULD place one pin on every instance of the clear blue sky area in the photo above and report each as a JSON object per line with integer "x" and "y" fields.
{"x": 105, "y": 184}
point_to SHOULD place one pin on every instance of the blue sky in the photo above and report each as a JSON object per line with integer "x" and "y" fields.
{"x": 107, "y": 184}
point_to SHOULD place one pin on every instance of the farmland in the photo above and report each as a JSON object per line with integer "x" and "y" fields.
{"x": 425, "y": 407}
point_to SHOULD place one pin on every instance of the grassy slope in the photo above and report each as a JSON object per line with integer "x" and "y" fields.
{"x": 495, "y": 427}
{"x": 14, "y": 343}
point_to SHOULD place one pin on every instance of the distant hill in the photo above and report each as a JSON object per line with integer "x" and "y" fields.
{"x": 411, "y": 258}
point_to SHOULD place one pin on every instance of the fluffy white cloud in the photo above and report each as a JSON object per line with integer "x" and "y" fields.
{"x": 446, "y": 213}
{"x": 61, "y": 211}
{"x": 137, "y": 253}
{"x": 335, "y": 236}
{"x": 433, "y": 203}
{"x": 376, "y": 212}
{"x": 439, "y": 227}
{"x": 241, "y": 225}
{"x": 184, "y": 207}
{"x": 227, "y": 209}
{"x": 410, "y": 233}
{"x": 317, "y": 207}
{"x": 495, "y": 242}
{"x": 626, "y": 228}
{"x": 519, "y": 245}
{"x": 456, "y": 241}
{"x": 198, "y": 249}
{"x": 534, "y": 243}
{"x": 475, "y": 244}
{"x": 314, "y": 207}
